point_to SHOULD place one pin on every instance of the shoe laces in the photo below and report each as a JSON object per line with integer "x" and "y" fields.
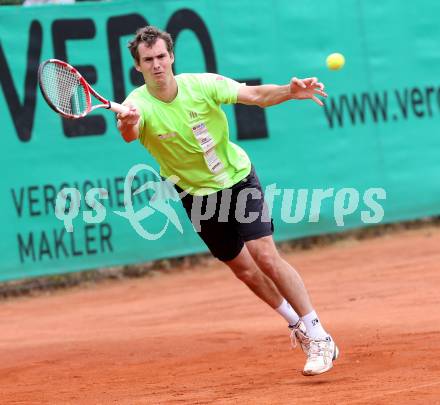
{"x": 296, "y": 334}
{"x": 293, "y": 341}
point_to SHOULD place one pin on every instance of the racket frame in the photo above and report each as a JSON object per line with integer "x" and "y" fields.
{"x": 88, "y": 90}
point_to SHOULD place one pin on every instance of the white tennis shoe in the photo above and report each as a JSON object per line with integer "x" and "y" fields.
{"x": 320, "y": 356}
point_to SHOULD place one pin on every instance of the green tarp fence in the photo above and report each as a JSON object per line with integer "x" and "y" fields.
{"x": 371, "y": 155}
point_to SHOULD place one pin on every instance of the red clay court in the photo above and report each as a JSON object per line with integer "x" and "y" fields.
{"x": 198, "y": 336}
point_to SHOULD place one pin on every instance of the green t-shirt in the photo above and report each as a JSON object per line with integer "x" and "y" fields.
{"x": 189, "y": 136}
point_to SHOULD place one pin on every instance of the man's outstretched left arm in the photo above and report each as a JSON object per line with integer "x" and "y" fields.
{"x": 267, "y": 95}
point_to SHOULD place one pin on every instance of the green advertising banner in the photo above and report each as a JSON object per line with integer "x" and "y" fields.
{"x": 370, "y": 155}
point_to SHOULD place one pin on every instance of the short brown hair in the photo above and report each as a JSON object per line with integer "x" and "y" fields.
{"x": 149, "y": 35}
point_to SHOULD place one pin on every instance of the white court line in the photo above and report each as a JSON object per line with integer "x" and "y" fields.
{"x": 415, "y": 387}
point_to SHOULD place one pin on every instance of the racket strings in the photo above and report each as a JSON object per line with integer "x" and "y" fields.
{"x": 64, "y": 89}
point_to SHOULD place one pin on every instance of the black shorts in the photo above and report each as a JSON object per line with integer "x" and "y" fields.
{"x": 228, "y": 218}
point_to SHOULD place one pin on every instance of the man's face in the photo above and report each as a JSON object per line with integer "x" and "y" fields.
{"x": 155, "y": 63}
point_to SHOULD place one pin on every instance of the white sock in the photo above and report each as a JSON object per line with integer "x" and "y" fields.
{"x": 287, "y": 312}
{"x": 313, "y": 326}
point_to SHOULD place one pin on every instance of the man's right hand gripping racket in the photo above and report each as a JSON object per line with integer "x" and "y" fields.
{"x": 68, "y": 93}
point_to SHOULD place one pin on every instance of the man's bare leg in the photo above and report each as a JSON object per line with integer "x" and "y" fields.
{"x": 287, "y": 280}
{"x": 321, "y": 349}
{"x": 246, "y": 270}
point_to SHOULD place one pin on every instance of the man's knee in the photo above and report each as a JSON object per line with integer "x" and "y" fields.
{"x": 268, "y": 262}
{"x": 245, "y": 272}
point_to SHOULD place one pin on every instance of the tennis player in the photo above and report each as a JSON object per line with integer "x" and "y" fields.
{"x": 178, "y": 119}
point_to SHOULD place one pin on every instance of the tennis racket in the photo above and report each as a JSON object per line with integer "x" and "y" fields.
{"x": 68, "y": 93}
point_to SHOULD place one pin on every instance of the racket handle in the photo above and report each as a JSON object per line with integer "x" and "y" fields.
{"x": 117, "y": 108}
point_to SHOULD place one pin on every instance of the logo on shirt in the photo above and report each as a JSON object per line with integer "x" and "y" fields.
{"x": 193, "y": 115}
{"x": 167, "y": 136}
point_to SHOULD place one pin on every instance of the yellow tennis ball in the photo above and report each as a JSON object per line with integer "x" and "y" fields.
{"x": 335, "y": 61}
